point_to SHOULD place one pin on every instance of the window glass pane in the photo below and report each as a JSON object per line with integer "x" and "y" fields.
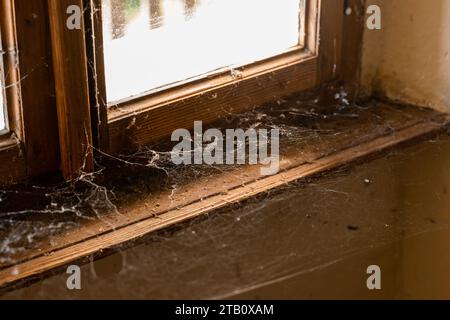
{"x": 150, "y": 44}
{"x": 2, "y": 92}
{"x": 2, "y": 113}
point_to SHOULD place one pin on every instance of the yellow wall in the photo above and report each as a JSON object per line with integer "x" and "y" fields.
{"x": 409, "y": 58}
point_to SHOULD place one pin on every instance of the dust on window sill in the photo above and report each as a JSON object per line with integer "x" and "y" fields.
{"x": 140, "y": 193}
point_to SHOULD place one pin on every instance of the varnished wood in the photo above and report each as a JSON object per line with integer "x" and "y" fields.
{"x": 11, "y": 71}
{"x": 72, "y": 94}
{"x": 352, "y": 46}
{"x": 33, "y": 137}
{"x": 330, "y": 45}
{"x": 12, "y": 160}
{"x": 40, "y": 122}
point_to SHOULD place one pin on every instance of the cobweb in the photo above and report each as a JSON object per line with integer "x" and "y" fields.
{"x": 292, "y": 230}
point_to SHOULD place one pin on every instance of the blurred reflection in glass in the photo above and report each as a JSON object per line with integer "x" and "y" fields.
{"x": 155, "y": 43}
{"x": 156, "y": 13}
{"x": 118, "y": 21}
{"x": 189, "y": 8}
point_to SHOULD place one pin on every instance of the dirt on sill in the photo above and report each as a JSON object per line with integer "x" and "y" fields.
{"x": 36, "y": 220}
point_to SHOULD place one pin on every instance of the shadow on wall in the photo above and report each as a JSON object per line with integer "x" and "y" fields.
{"x": 409, "y": 59}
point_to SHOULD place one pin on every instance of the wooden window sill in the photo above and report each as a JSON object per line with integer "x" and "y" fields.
{"x": 360, "y": 135}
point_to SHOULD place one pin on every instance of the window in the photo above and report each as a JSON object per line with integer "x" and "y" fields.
{"x": 163, "y": 64}
{"x": 3, "y": 126}
{"x": 2, "y": 110}
{"x": 137, "y": 70}
{"x": 151, "y": 44}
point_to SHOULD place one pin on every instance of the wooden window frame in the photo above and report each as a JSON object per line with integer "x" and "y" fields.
{"x": 30, "y": 147}
{"x": 13, "y": 163}
{"x": 152, "y": 116}
{"x": 52, "y": 126}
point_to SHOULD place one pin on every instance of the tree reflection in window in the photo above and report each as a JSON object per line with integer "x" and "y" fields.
{"x": 150, "y": 44}
{"x": 124, "y": 11}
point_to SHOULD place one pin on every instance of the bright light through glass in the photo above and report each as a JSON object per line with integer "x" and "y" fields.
{"x": 2, "y": 91}
{"x": 2, "y": 113}
{"x": 150, "y": 44}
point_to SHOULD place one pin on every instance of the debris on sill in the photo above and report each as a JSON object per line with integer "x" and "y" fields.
{"x": 37, "y": 217}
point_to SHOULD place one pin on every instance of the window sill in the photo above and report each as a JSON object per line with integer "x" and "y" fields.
{"x": 333, "y": 140}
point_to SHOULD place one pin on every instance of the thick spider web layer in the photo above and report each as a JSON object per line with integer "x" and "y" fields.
{"x": 294, "y": 230}
{"x": 30, "y": 213}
